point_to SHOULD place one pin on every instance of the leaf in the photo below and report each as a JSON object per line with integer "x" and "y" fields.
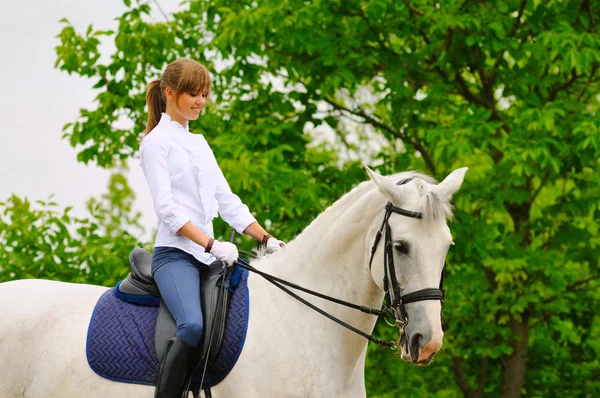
{"x": 525, "y": 219}
{"x": 498, "y": 29}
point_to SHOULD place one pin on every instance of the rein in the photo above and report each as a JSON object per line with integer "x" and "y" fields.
{"x": 395, "y": 301}
{"x": 280, "y": 282}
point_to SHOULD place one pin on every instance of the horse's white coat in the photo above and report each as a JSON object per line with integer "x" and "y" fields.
{"x": 290, "y": 351}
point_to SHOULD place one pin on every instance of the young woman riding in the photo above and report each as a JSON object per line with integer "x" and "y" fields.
{"x": 188, "y": 190}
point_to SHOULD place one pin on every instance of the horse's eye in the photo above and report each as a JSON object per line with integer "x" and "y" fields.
{"x": 401, "y": 247}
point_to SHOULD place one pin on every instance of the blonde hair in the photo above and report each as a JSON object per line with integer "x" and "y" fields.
{"x": 182, "y": 76}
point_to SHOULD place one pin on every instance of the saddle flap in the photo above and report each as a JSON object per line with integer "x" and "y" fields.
{"x": 215, "y": 306}
{"x": 215, "y": 301}
{"x": 165, "y": 329}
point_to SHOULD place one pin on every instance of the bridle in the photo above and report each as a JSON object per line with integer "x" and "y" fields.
{"x": 394, "y": 300}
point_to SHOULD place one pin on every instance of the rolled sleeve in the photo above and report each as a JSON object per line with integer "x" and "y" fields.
{"x": 231, "y": 208}
{"x": 154, "y": 153}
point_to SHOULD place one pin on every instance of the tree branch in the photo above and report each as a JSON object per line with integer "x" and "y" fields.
{"x": 414, "y": 141}
{"x": 513, "y": 374}
{"x": 487, "y": 82}
{"x": 539, "y": 188}
{"x": 436, "y": 69}
{"x": 424, "y": 36}
{"x": 512, "y": 32}
{"x": 580, "y": 283}
{"x": 588, "y": 83}
{"x": 368, "y": 118}
{"x": 412, "y": 8}
{"x": 482, "y": 377}
{"x": 574, "y": 286}
{"x": 517, "y": 23}
{"x": 461, "y": 379}
{"x": 588, "y": 8}
{"x": 469, "y": 96}
{"x": 563, "y": 86}
{"x": 491, "y": 278}
{"x": 375, "y": 33}
{"x": 591, "y": 95}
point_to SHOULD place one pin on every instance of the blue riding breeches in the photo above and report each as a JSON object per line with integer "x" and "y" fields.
{"x": 177, "y": 275}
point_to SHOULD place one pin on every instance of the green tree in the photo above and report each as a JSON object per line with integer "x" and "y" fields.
{"x": 43, "y": 241}
{"x": 508, "y": 88}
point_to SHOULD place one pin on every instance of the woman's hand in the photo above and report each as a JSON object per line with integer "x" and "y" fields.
{"x": 274, "y": 244}
{"x": 224, "y": 251}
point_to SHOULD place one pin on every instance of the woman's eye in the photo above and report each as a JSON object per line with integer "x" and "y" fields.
{"x": 401, "y": 247}
{"x": 193, "y": 94}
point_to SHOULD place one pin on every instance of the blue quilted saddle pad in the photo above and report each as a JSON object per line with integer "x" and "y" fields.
{"x": 120, "y": 340}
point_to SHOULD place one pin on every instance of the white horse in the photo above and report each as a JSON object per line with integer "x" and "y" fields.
{"x": 290, "y": 350}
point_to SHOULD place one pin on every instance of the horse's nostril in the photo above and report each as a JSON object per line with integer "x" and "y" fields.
{"x": 414, "y": 346}
{"x": 417, "y": 338}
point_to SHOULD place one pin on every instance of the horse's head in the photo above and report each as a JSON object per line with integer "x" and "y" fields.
{"x": 417, "y": 242}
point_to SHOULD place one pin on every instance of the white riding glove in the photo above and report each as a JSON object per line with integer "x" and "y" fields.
{"x": 224, "y": 251}
{"x": 274, "y": 244}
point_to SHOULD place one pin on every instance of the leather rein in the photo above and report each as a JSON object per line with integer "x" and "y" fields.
{"x": 394, "y": 300}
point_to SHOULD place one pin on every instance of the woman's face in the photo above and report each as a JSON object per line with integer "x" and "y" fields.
{"x": 188, "y": 106}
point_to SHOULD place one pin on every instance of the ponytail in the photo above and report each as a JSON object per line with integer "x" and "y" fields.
{"x": 156, "y": 104}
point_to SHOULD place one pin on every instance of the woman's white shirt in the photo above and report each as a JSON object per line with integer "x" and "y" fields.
{"x": 187, "y": 184}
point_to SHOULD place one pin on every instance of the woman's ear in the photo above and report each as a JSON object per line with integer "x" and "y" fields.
{"x": 169, "y": 93}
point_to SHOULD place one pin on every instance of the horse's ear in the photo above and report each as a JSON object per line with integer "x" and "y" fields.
{"x": 386, "y": 186}
{"x": 451, "y": 184}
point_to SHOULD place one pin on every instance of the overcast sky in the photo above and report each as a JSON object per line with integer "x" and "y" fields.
{"x": 39, "y": 100}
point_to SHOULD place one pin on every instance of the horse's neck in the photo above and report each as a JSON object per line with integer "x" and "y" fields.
{"x": 331, "y": 257}
{"x": 333, "y": 245}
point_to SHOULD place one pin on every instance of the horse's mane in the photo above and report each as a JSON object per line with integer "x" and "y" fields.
{"x": 433, "y": 207}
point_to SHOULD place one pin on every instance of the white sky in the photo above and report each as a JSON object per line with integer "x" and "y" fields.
{"x": 38, "y": 100}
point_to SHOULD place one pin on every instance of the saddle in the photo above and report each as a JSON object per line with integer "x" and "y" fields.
{"x": 216, "y": 292}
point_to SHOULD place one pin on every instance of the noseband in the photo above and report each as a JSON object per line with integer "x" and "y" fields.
{"x": 394, "y": 299}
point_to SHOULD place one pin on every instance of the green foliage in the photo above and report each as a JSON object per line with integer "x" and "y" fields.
{"x": 41, "y": 241}
{"x": 508, "y": 88}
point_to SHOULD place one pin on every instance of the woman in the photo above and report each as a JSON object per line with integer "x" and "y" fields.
{"x": 188, "y": 189}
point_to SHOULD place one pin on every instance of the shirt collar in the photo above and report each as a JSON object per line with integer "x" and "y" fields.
{"x": 173, "y": 125}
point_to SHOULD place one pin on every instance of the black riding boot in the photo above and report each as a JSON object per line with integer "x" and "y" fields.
{"x": 173, "y": 371}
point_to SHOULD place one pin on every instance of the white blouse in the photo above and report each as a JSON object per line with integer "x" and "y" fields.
{"x": 187, "y": 184}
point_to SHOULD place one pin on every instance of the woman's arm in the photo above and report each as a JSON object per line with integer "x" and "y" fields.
{"x": 154, "y": 153}
{"x": 193, "y": 233}
{"x": 224, "y": 251}
{"x": 257, "y": 232}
